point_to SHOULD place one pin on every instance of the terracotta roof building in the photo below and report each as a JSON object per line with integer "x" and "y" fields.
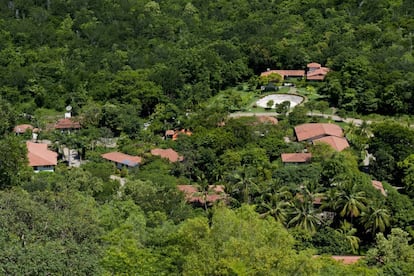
{"x": 122, "y": 159}
{"x": 316, "y": 72}
{"x": 67, "y": 124}
{"x": 378, "y": 185}
{"x": 193, "y": 195}
{"x": 296, "y": 157}
{"x": 40, "y": 157}
{"x": 20, "y": 129}
{"x": 330, "y": 134}
{"x": 169, "y": 154}
{"x": 284, "y": 73}
{"x": 337, "y": 143}
{"x": 312, "y": 131}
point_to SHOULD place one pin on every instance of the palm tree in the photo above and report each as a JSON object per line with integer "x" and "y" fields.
{"x": 348, "y": 231}
{"x": 276, "y": 205}
{"x": 350, "y": 202}
{"x": 375, "y": 219}
{"x": 242, "y": 183}
{"x": 305, "y": 216}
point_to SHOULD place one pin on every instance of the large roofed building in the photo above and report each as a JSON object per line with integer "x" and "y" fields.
{"x": 122, "y": 159}
{"x": 330, "y": 134}
{"x": 40, "y": 157}
{"x": 296, "y": 158}
{"x": 284, "y": 73}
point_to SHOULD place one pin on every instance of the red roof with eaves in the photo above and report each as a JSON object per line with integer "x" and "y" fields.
{"x": 296, "y": 157}
{"x": 67, "y": 123}
{"x": 39, "y": 155}
{"x": 122, "y": 158}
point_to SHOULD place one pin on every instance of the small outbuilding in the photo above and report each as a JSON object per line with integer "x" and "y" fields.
{"x": 40, "y": 157}
{"x": 122, "y": 160}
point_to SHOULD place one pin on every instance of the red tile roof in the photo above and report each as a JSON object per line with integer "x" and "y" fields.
{"x": 122, "y": 158}
{"x": 378, "y": 185}
{"x": 22, "y": 128}
{"x": 347, "y": 259}
{"x": 313, "y": 65}
{"x": 193, "y": 195}
{"x": 284, "y": 73}
{"x": 169, "y": 154}
{"x": 337, "y": 143}
{"x": 296, "y": 157}
{"x": 67, "y": 123}
{"x": 313, "y": 131}
{"x": 317, "y": 74}
{"x": 39, "y": 155}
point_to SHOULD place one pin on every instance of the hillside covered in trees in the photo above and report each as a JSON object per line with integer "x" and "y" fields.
{"x": 130, "y": 71}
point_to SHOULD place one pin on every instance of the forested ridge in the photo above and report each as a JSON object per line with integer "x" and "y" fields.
{"x": 130, "y": 70}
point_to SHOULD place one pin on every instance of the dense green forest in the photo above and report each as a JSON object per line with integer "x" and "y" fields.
{"x": 132, "y": 69}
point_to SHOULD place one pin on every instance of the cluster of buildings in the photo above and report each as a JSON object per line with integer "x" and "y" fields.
{"x": 314, "y": 72}
{"x": 325, "y": 133}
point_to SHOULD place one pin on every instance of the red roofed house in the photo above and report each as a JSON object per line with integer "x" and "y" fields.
{"x": 285, "y": 73}
{"x": 122, "y": 160}
{"x": 169, "y": 154}
{"x": 193, "y": 195}
{"x": 322, "y": 132}
{"x": 40, "y": 158}
{"x": 337, "y": 143}
{"x": 20, "y": 129}
{"x": 316, "y": 72}
{"x": 296, "y": 158}
{"x": 67, "y": 124}
{"x": 378, "y": 185}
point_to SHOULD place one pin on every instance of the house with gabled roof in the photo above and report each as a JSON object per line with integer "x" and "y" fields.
{"x": 67, "y": 124}
{"x": 122, "y": 160}
{"x": 296, "y": 158}
{"x": 20, "y": 129}
{"x": 327, "y": 133}
{"x": 169, "y": 154}
{"x": 284, "y": 73}
{"x": 337, "y": 143}
{"x": 312, "y": 131}
{"x": 40, "y": 157}
{"x": 316, "y": 72}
